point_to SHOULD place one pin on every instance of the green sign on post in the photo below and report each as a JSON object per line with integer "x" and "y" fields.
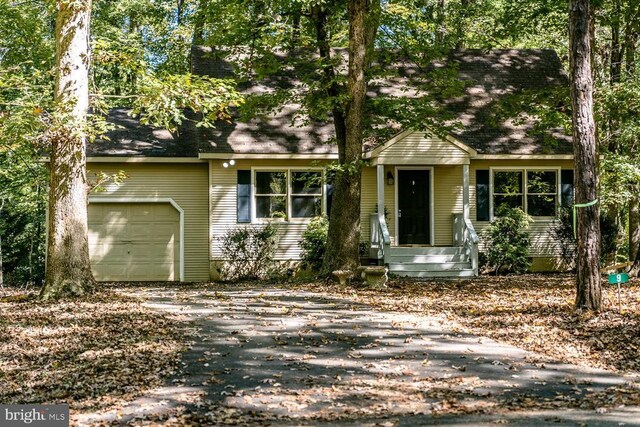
{"x": 618, "y": 278}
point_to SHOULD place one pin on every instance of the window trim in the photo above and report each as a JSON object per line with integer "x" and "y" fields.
{"x": 525, "y": 170}
{"x": 288, "y": 171}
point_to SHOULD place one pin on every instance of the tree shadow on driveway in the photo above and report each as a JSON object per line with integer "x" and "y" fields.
{"x": 274, "y": 356}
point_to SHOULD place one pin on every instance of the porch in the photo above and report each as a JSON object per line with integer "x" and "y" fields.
{"x": 412, "y": 250}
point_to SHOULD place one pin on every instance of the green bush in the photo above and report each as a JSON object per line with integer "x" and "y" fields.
{"x": 314, "y": 242}
{"x": 249, "y": 252}
{"x": 508, "y": 242}
{"x": 562, "y": 232}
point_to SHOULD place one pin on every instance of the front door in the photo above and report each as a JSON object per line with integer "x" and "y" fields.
{"x": 414, "y": 218}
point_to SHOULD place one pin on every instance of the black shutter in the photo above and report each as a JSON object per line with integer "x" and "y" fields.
{"x": 329, "y": 197}
{"x": 482, "y": 195}
{"x": 566, "y": 187}
{"x": 244, "y": 196}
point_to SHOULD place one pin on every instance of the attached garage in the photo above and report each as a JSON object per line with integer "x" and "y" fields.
{"x": 136, "y": 240}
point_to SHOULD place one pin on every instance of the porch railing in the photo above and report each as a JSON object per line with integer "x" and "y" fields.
{"x": 380, "y": 247}
{"x": 465, "y": 235}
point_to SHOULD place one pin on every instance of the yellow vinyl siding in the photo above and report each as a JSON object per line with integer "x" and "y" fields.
{"x": 542, "y": 243}
{"x": 447, "y": 200}
{"x": 223, "y": 188}
{"x": 419, "y": 148}
{"x": 186, "y": 184}
{"x": 368, "y": 202}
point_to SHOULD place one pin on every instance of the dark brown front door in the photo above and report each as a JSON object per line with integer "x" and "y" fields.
{"x": 414, "y": 226}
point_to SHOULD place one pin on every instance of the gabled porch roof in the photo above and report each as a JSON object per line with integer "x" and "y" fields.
{"x": 421, "y": 147}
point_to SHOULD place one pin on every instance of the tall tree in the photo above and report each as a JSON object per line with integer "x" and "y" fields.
{"x": 68, "y": 268}
{"x": 1, "y": 266}
{"x": 344, "y": 226}
{"x": 588, "y": 292}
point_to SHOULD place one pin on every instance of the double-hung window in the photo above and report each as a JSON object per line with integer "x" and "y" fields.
{"x": 288, "y": 193}
{"x": 535, "y": 191}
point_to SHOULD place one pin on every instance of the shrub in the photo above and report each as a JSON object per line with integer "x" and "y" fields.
{"x": 562, "y": 232}
{"x": 249, "y": 252}
{"x": 508, "y": 242}
{"x": 314, "y": 242}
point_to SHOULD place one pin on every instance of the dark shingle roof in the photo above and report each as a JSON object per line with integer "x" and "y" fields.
{"x": 493, "y": 76}
{"x": 133, "y": 139}
{"x": 490, "y": 77}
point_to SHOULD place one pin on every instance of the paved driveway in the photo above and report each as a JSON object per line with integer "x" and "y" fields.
{"x": 273, "y": 356}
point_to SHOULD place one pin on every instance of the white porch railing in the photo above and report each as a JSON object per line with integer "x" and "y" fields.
{"x": 380, "y": 247}
{"x": 465, "y": 235}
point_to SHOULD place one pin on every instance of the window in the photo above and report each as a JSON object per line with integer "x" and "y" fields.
{"x": 507, "y": 190}
{"x": 534, "y": 191}
{"x": 271, "y": 194}
{"x": 542, "y": 193}
{"x": 288, "y": 194}
{"x": 306, "y": 194}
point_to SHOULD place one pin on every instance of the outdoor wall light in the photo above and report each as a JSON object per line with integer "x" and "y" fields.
{"x": 390, "y": 180}
{"x": 230, "y": 163}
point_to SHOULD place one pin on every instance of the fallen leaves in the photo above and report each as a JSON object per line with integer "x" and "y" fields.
{"x": 88, "y": 353}
{"x": 534, "y": 312}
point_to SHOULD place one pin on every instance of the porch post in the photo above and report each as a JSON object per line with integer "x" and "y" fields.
{"x": 380, "y": 183}
{"x": 465, "y": 192}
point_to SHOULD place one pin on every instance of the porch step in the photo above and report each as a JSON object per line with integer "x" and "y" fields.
{"x": 426, "y": 259}
{"x": 467, "y": 272}
{"x": 426, "y": 250}
{"x": 399, "y": 268}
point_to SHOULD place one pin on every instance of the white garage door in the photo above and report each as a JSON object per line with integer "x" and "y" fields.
{"x": 134, "y": 241}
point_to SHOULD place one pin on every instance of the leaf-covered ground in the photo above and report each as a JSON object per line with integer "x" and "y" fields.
{"x": 320, "y": 354}
{"x": 94, "y": 353}
{"x": 534, "y": 312}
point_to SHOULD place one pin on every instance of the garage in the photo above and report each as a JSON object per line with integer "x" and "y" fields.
{"x": 135, "y": 241}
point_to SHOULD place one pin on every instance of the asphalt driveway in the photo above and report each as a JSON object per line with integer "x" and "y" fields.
{"x": 272, "y": 356}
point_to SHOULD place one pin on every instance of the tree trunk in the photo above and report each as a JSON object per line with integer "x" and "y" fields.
{"x": 634, "y": 235}
{"x": 588, "y": 292}
{"x": 615, "y": 65}
{"x": 613, "y": 211}
{"x": 631, "y": 38}
{"x": 461, "y": 24}
{"x": 1, "y": 266}
{"x": 344, "y": 226}
{"x": 68, "y": 268}
{"x": 179, "y": 12}
{"x": 440, "y": 21}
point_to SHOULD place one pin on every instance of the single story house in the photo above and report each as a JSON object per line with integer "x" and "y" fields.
{"x": 425, "y": 198}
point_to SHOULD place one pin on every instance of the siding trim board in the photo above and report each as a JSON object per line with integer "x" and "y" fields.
{"x": 115, "y": 159}
{"x": 109, "y": 199}
{"x": 266, "y": 156}
{"x": 523, "y": 157}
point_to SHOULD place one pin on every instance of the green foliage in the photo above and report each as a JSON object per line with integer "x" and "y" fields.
{"x": 314, "y": 242}
{"x": 248, "y": 252}
{"x": 23, "y": 184}
{"x": 508, "y": 242}
{"x": 563, "y": 234}
{"x": 164, "y": 101}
